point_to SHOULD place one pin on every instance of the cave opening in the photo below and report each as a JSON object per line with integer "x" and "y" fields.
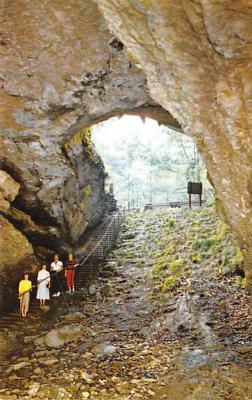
{"x": 147, "y": 162}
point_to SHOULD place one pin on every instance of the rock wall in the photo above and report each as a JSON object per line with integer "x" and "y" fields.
{"x": 60, "y": 192}
{"x": 15, "y": 250}
{"x": 197, "y": 58}
{"x": 61, "y": 70}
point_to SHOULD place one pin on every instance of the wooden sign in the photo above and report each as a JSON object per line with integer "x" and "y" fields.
{"x": 194, "y": 188}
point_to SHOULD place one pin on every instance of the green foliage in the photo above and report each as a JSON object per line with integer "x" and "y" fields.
{"x": 171, "y": 221}
{"x": 170, "y": 264}
{"x": 131, "y": 222}
{"x": 148, "y": 169}
{"x": 175, "y": 266}
{"x": 76, "y": 140}
{"x": 203, "y": 244}
{"x": 177, "y": 247}
{"x": 83, "y": 138}
{"x": 86, "y": 192}
{"x": 205, "y": 240}
{"x": 169, "y": 250}
{"x": 129, "y": 235}
{"x": 196, "y": 258}
{"x": 237, "y": 258}
{"x": 170, "y": 283}
{"x": 239, "y": 281}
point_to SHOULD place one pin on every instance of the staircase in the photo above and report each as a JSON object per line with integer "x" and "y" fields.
{"x": 95, "y": 252}
{"x": 85, "y": 273}
{"x": 14, "y": 319}
{"x": 97, "y": 248}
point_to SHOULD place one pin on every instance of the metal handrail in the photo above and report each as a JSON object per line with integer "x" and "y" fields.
{"x": 87, "y": 257}
{"x": 100, "y": 241}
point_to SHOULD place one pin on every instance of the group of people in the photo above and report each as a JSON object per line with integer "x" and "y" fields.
{"x": 48, "y": 282}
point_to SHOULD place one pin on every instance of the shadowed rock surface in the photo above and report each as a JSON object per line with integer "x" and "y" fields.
{"x": 15, "y": 250}
{"x": 62, "y": 70}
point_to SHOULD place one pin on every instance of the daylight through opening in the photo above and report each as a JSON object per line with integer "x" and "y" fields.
{"x": 147, "y": 162}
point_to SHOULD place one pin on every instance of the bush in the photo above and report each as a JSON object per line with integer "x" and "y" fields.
{"x": 170, "y": 283}
{"x": 203, "y": 244}
{"x": 175, "y": 266}
{"x": 129, "y": 235}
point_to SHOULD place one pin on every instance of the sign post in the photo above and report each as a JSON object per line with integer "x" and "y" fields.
{"x": 194, "y": 188}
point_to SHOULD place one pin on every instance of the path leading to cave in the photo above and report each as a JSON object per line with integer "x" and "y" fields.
{"x": 131, "y": 340}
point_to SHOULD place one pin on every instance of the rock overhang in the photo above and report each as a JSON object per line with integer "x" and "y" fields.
{"x": 63, "y": 70}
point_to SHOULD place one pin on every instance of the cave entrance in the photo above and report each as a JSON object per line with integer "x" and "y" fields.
{"x": 146, "y": 162}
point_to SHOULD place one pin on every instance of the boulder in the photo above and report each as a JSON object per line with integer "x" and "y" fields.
{"x": 92, "y": 290}
{"x": 52, "y": 391}
{"x": 33, "y": 388}
{"x": 20, "y": 365}
{"x": 16, "y": 255}
{"x": 13, "y": 244}
{"x": 9, "y": 189}
{"x": 57, "y": 337}
{"x": 105, "y": 349}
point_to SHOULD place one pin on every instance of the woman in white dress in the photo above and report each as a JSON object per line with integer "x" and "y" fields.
{"x": 43, "y": 285}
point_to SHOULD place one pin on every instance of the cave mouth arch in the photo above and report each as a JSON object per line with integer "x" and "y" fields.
{"x": 153, "y": 111}
{"x": 154, "y": 161}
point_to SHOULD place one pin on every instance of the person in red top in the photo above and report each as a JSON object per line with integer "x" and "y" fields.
{"x": 70, "y": 265}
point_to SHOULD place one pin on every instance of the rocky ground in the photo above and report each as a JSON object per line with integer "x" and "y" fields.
{"x": 167, "y": 318}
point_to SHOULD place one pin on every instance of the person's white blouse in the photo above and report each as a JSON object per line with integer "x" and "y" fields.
{"x": 43, "y": 274}
{"x": 57, "y": 265}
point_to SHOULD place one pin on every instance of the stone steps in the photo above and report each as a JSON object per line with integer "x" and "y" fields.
{"x": 14, "y": 318}
{"x": 82, "y": 274}
{"x": 100, "y": 246}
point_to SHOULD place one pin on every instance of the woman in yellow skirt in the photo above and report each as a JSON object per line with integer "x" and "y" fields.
{"x": 25, "y": 286}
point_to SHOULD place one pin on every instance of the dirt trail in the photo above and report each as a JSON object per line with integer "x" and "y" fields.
{"x": 131, "y": 340}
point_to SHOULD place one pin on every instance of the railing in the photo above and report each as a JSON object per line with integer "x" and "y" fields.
{"x": 102, "y": 247}
{"x": 107, "y": 241}
{"x": 172, "y": 204}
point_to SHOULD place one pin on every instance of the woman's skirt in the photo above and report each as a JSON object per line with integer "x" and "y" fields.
{"x": 43, "y": 291}
{"x": 24, "y": 301}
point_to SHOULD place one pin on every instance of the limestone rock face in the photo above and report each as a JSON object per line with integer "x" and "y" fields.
{"x": 15, "y": 250}
{"x": 51, "y": 206}
{"x": 14, "y": 246}
{"x": 8, "y": 190}
{"x": 197, "y": 58}
{"x": 15, "y": 256}
{"x": 61, "y": 70}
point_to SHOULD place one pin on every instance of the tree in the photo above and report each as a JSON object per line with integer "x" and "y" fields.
{"x": 147, "y": 166}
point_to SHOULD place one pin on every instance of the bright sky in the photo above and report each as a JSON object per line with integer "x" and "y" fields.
{"x": 113, "y": 139}
{"x": 116, "y": 128}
